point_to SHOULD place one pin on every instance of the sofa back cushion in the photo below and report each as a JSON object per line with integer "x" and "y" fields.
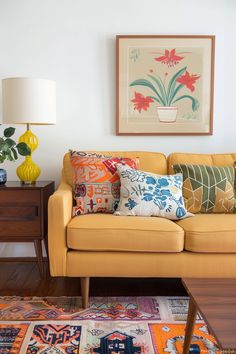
{"x": 148, "y": 161}
{"x": 200, "y": 159}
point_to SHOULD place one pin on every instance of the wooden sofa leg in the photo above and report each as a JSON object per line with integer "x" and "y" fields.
{"x": 84, "y": 282}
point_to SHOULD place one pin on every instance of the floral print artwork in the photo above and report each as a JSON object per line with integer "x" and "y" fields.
{"x": 165, "y": 85}
{"x": 165, "y": 92}
{"x": 146, "y": 194}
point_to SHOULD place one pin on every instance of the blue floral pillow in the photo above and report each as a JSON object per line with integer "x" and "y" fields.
{"x": 146, "y": 194}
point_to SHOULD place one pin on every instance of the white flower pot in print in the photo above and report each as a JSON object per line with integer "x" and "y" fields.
{"x": 167, "y": 114}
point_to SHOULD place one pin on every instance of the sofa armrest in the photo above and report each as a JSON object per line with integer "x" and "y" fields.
{"x": 59, "y": 215}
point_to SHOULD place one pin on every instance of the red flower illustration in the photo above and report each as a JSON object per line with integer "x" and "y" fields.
{"x": 188, "y": 80}
{"x": 141, "y": 102}
{"x": 170, "y": 58}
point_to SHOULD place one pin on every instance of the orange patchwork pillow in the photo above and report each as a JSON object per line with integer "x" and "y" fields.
{"x": 96, "y": 181}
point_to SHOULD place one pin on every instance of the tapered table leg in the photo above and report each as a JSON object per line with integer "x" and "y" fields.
{"x": 39, "y": 255}
{"x": 192, "y": 313}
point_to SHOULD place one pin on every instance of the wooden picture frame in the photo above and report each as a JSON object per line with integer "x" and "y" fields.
{"x": 164, "y": 84}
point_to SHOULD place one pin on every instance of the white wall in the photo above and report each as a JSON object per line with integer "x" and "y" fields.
{"x": 73, "y": 43}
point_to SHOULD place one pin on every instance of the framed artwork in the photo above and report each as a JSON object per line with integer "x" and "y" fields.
{"x": 165, "y": 85}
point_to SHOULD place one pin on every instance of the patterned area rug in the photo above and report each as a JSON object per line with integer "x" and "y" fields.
{"x": 124, "y": 325}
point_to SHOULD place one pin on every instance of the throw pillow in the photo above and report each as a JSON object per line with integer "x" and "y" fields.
{"x": 146, "y": 194}
{"x": 96, "y": 182}
{"x": 208, "y": 189}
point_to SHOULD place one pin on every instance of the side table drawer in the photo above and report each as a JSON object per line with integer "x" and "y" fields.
{"x": 14, "y": 196}
{"x": 14, "y": 229}
{"x": 20, "y": 214}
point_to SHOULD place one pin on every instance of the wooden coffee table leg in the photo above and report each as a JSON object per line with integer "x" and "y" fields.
{"x": 192, "y": 313}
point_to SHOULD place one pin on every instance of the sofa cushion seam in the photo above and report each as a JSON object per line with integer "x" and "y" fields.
{"x": 102, "y": 229}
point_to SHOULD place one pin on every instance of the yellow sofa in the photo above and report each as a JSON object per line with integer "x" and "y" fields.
{"x": 103, "y": 245}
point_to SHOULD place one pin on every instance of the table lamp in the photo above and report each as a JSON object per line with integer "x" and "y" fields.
{"x": 31, "y": 102}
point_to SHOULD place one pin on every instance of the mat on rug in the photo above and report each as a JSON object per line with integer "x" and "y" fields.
{"x": 124, "y": 325}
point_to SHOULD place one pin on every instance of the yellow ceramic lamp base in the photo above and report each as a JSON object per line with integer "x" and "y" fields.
{"x": 28, "y": 171}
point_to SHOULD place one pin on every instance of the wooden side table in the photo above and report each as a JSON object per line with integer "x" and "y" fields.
{"x": 23, "y": 214}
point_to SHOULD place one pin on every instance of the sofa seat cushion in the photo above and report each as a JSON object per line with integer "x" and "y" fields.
{"x": 214, "y": 233}
{"x": 106, "y": 232}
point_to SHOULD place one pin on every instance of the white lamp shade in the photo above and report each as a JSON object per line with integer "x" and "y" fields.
{"x": 27, "y": 100}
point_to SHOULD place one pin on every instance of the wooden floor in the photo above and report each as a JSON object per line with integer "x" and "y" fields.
{"x": 22, "y": 279}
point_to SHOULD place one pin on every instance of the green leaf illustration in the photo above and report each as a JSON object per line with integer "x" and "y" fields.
{"x": 195, "y": 102}
{"x": 154, "y": 98}
{"x": 161, "y": 87}
{"x": 174, "y": 93}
